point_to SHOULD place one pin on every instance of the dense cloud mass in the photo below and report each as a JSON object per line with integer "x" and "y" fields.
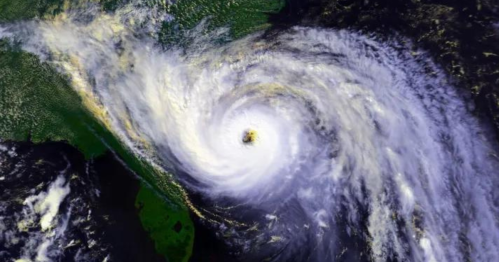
{"x": 353, "y": 139}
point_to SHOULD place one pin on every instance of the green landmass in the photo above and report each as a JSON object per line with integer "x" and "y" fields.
{"x": 37, "y": 103}
{"x": 242, "y": 17}
{"x": 162, "y": 222}
{"x": 11, "y": 10}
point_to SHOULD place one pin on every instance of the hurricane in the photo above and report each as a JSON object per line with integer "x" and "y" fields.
{"x": 305, "y": 144}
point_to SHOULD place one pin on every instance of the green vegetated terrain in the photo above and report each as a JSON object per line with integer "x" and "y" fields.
{"x": 161, "y": 223}
{"x": 11, "y": 10}
{"x": 240, "y": 16}
{"x": 38, "y": 103}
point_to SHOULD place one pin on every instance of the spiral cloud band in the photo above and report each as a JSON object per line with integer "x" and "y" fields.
{"x": 322, "y": 136}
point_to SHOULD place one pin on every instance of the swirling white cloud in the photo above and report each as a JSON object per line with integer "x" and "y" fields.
{"x": 341, "y": 120}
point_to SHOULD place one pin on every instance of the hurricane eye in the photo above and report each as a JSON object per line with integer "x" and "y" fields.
{"x": 249, "y": 136}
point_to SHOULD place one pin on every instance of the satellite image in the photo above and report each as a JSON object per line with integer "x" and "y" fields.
{"x": 249, "y": 130}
